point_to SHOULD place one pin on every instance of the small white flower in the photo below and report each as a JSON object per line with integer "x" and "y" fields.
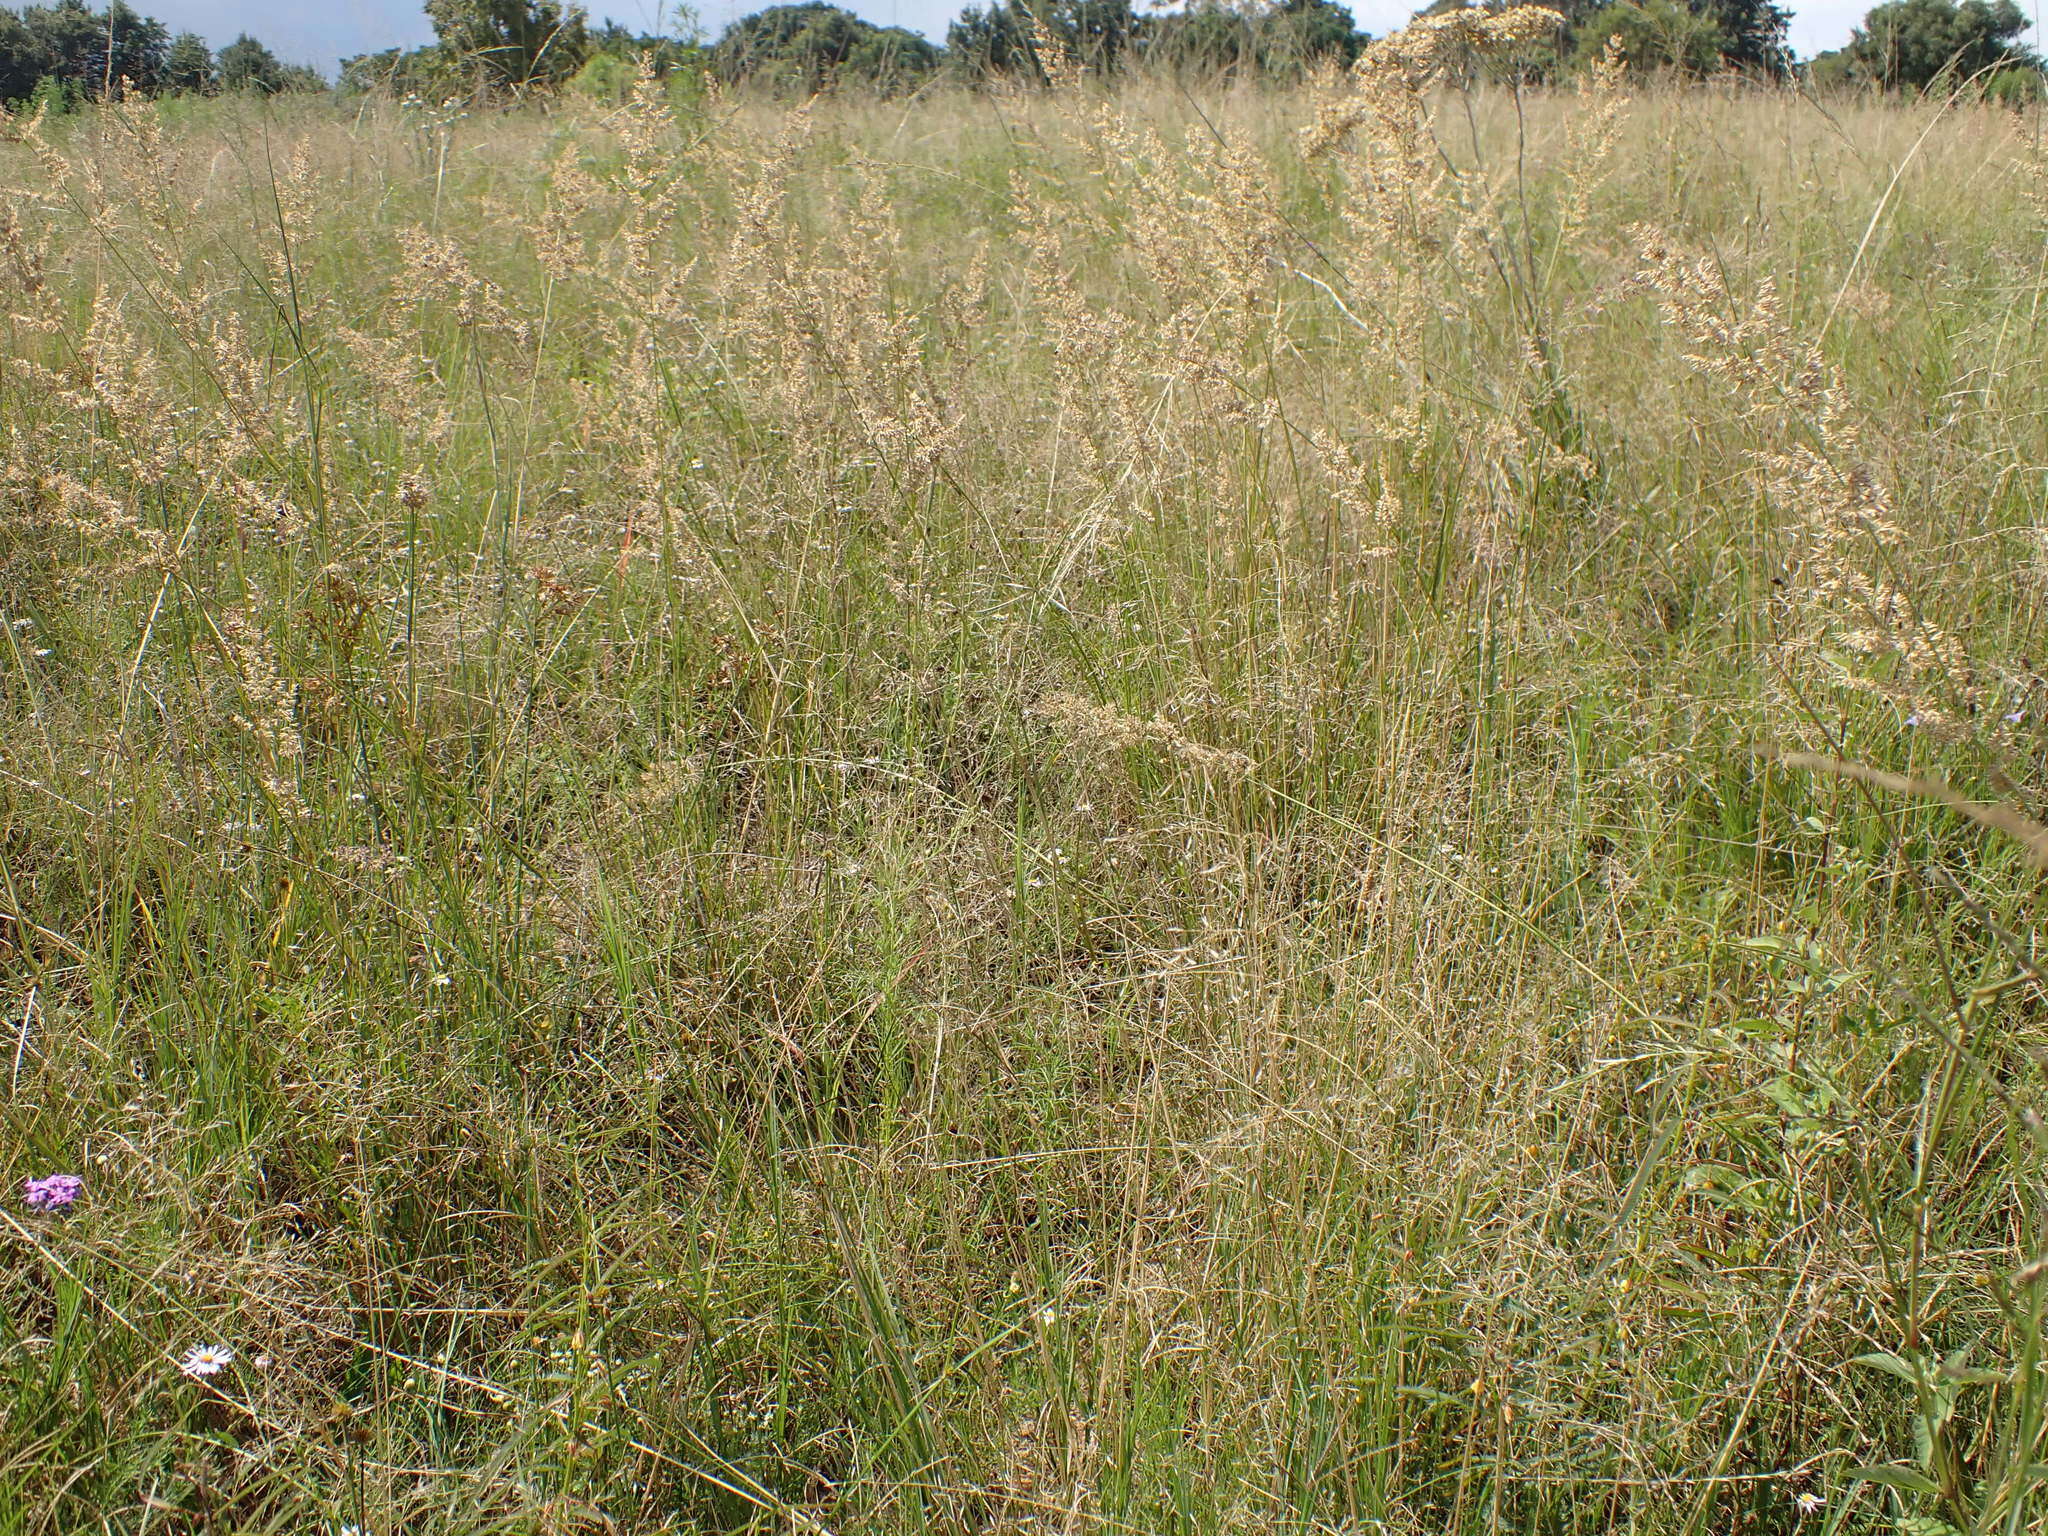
{"x": 1808, "y": 1503}
{"x": 1048, "y": 1315}
{"x": 206, "y": 1360}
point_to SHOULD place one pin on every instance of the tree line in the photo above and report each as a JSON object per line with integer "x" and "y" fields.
{"x": 66, "y": 51}
{"x": 1902, "y": 45}
{"x": 812, "y": 45}
{"x": 59, "y": 54}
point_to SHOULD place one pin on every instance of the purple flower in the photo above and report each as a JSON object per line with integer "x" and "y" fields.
{"x": 52, "y": 1193}
{"x": 2016, "y": 717}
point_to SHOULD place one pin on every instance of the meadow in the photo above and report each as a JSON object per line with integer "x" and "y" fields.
{"x": 1111, "y": 809}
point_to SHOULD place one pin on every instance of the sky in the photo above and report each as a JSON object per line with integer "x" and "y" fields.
{"x": 321, "y": 32}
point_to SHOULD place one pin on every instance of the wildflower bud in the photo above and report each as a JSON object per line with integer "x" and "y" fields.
{"x": 412, "y": 493}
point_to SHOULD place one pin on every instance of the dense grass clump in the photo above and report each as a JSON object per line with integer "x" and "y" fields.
{"x": 1090, "y": 810}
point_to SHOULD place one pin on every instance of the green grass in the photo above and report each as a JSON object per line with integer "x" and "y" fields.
{"x": 1033, "y": 828}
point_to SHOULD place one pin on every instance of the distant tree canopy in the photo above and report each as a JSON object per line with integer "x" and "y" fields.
{"x": 1213, "y": 38}
{"x": 72, "y": 45}
{"x": 518, "y": 43}
{"x": 616, "y": 55}
{"x": 246, "y": 65}
{"x": 189, "y": 65}
{"x": 22, "y": 63}
{"x": 1910, "y": 44}
{"x": 1752, "y": 33}
{"x": 1208, "y": 38}
{"x": 1204, "y": 37}
{"x": 1693, "y": 36}
{"x": 1001, "y": 39}
{"x": 663, "y": 50}
{"x": 1656, "y": 35}
{"x": 518, "y": 46}
{"x": 1299, "y": 34}
{"x": 813, "y": 47}
{"x": 65, "y": 50}
{"x": 992, "y": 41}
{"x": 69, "y": 50}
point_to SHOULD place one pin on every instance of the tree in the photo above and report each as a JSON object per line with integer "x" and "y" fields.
{"x": 616, "y": 54}
{"x": 67, "y": 38}
{"x": 1752, "y": 33}
{"x": 1002, "y": 38}
{"x": 1656, "y": 35}
{"x": 67, "y": 51}
{"x": 519, "y": 44}
{"x": 23, "y": 58}
{"x": 126, "y": 46}
{"x": 1910, "y": 44}
{"x": 246, "y": 65}
{"x": 189, "y": 65}
{"x": 1095, "y": 33}
{"x": 664, "y": 50}
{"x": 983, "y": 44}
{"x": 1300, "y": 34}
{"x": 1746, "y": 34}
{"x": 813, "y": 47}
{"x": 429, "y": 73}
{"x": 1214, "y": 38}
{"x": 891, "y": 60}
{"x": 1206, "y": 39}
{"x": 97, "y": 50}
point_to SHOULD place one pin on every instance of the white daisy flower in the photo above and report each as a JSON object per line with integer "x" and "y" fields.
{"x": 206, "y": 1360}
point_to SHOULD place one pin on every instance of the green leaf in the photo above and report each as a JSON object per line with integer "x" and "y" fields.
{"x": 1890, "y": 1364}
{"x": 1898, "y": 1477}
{"x": 1974, "y": 1376}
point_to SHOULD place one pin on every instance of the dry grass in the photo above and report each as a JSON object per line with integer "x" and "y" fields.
{"x": 1055, "y": 812}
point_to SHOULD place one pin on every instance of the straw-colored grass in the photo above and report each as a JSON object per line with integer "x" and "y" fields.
{"x": 1069, "y": 812}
